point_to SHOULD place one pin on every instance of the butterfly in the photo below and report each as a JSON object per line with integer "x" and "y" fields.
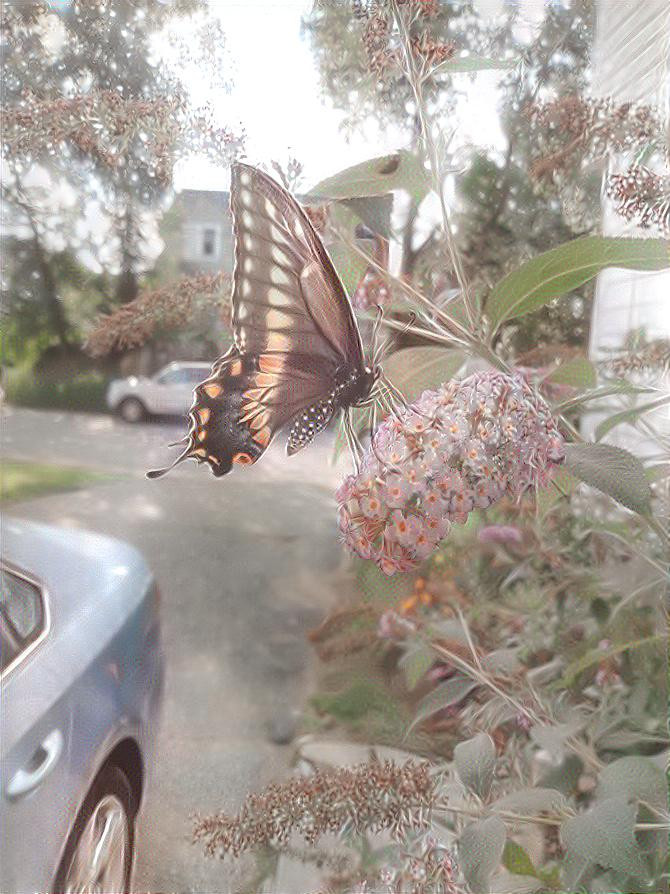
{"x": 297, "y": 356}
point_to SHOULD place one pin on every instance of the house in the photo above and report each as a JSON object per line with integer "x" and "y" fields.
{"x": 205, "y": 231}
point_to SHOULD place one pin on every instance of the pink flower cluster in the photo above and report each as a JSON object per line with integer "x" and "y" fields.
{"x": 456, "y": 449}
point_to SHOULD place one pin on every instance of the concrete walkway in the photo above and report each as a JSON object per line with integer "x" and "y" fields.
{"x": 246, "y": 565}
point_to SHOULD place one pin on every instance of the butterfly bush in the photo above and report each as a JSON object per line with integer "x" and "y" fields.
{"x": 459, "y": 448}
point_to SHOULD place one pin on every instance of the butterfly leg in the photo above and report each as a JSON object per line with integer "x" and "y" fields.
{"x": 355, "y": 447}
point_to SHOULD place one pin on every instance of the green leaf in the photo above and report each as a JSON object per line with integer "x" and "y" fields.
{"x": 413, "y": 370}
{"x": 448, "y": 693}
{"x": 621, "y": 387}
{"x": 578, "y": 372}
{"x": 374, "y": 212}
{"x": 612, "y": 470}
{"x": 376, "y": 177}
{"x": 595, "y": 656}
{"x": 472, "y": 63}
{"x": 562, "y": 482}
{"x": 604, "y": 835}
{"x": 416, "y": 661}
{"x": 349, "y": 264}
{"x": 563, "y": 269}
{"x": 517, "y": 861}
{"x": 629, "y": 415}
{"x": 553, "y": 736}
{"x": 634, "y": 777}
{"x": 531, "y": 801}
{"x": 475, "y": 761}
{"x": 480, "y": 850}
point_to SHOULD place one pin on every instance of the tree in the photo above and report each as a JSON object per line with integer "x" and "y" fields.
{"x": 86, "y": 107}
{"x": 502, "y": 215}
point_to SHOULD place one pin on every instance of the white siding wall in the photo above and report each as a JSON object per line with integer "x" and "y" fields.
{"x": 630, "y": 63}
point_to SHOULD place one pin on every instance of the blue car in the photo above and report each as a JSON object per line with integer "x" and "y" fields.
{"x": 81, "y": 679}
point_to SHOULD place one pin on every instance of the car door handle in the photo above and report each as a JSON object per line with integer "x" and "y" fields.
{"x": 24, "y": 781}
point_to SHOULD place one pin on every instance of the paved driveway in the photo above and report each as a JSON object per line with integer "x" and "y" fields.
{"x": 246, "y": 565}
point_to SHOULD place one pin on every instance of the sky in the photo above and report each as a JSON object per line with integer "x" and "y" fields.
{"x": 276, "y": 95}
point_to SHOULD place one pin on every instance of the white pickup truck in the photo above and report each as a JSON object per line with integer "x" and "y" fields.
{"x": 169, "y": 392}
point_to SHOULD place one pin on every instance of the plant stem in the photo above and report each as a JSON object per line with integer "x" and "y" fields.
{"x": 431, "y": 152}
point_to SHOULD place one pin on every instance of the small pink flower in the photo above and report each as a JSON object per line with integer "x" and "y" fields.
{"x": 499, "y": 534}
{"x": 372, "y": 506}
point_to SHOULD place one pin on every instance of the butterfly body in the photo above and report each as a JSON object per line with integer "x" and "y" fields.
{"x": 297, "y": 357}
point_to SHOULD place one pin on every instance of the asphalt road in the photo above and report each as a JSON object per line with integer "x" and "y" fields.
{"x": 246, "y": 564}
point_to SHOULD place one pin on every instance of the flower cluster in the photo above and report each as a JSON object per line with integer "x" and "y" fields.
{"x": 369, "y": 797}
{"x": 109, "y": 128}
{"x": 430, "y": 464}
{"x": 428, "y": 867}
{"x": 377, "y": 37}
{"x": 654, "y": 356}
{"x": 573, "y": 129}
{"x": 371, "y": 291}
{"x": 643, "y": 195}
{"x": 170, "y": 305}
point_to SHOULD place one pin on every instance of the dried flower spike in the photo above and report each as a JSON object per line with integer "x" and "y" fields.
{"x": 369, "y": 797}
{"x": 643, "y": 195}
{"x": 456, "y": 449}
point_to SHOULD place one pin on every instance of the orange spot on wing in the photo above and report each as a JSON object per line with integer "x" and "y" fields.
{"x": 243, "y": 459}
{"x": 278, "y": 342}
{"x": 203, "y": 415}
{"x": 262, "y": 437}
{"x": 258, "y": 421}
{"x": 235, "y": 368}
{"x": 213, "y": 459}
{"x": 254, "y": 394}
{"x": 270, "y": 363}
{"x": 212, "y": 390}
{"x": 265, "y": 379}
{"x": 200, "y": 452}
{"x": 202, "y": 434}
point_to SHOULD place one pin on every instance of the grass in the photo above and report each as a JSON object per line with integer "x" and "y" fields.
{"x": 26, "y": 480}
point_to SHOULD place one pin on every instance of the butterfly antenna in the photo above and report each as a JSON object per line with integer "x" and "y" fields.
{"x": 158, "y": 473}
{"x": 381, "y": 351}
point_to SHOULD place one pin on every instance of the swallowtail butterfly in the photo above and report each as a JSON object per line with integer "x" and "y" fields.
{"x": 297, "y": 356}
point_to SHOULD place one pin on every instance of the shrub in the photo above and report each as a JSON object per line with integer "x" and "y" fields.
{"x": 84, "y": 391}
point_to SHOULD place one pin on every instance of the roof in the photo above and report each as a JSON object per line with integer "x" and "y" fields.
{"x": 216, "y": 201}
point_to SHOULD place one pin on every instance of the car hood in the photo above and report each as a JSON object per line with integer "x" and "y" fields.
{"x": 78, "y": 568}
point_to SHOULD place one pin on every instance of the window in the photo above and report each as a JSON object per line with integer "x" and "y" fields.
{"x": 196, "y": 374}
{"x": 183, "y": 375}
{"x": 22, "y": 616}
{"x": 208, "y": 243}
{"x": 172, "y": 376}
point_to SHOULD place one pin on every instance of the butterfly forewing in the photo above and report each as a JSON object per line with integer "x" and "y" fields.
{"x": 286, "y": 293}
{"x": 297, "y": 354}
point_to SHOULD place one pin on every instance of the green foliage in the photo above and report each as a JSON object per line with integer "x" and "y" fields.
{"x": 563, "y": 269}
{"x": 85, "y": 391}
{"x": 480, "y": 850}
{"x": 26, "y": 480}
{"x": 516, "y": 860}
{"x": 613, "y": 471}
{"x": 376, "y": 177}
{"x": 629, "y": 416}
{"x": 577, "y": 372}
{"x": 475, "y": 761}
{"x": 354, "y": 703}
